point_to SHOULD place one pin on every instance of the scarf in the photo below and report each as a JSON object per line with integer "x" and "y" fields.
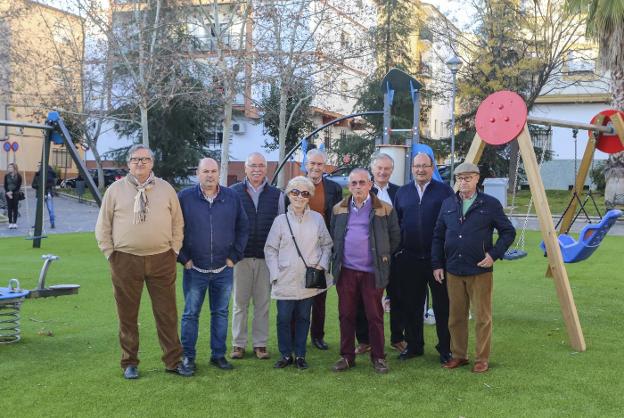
{"x": 141, "y": 208}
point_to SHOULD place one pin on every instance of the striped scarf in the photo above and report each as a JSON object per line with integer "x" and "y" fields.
{"x": 141, "y": 207}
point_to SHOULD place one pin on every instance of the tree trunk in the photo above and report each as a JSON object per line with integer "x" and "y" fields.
{"x": 144, "y": 124}
{"x": 281, "y": 178}
{"x": 614, "y": 168}
{"x": 227, "y": 131}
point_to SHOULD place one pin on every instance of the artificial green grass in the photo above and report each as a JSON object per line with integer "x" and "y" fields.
{"x": 75, "y": 371}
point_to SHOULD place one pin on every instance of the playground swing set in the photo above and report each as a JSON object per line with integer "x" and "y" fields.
{"x": 501, "y": 118}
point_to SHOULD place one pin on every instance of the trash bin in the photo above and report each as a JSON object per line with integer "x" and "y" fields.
{"x": 496, "y": 187}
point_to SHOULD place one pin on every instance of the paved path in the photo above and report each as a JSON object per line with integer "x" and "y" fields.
{"x": 71, "y": 216}
{"x": 74, "y": 216}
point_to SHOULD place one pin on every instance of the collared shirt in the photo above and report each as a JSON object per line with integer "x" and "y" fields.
{"x": 467, "y": 202}
{"x": 382, "y": 193}
{"x": 421, "y": 192}
{"x": 254, "y": 193}
{"x": 354, "y": 206}
{"x": 212, "y": 198}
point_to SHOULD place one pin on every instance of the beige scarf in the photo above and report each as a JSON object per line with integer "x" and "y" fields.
{"x": 141, "y": 208}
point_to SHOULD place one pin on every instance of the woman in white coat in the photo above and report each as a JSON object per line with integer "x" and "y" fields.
{"x": 287, "y": 269}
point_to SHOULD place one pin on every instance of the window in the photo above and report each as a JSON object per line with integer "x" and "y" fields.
{"x": 61, "y": 158}
{"x": 580, "y": 62}
{"x": 215, "y": 139}
{"x": 327, "y": 137}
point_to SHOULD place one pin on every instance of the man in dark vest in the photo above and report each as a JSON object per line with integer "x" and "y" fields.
{"x": 262, "y": 203}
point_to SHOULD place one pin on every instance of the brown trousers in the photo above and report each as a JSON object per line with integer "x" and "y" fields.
{"x": 464, "y": 292}
{"x": 158, "y": 272}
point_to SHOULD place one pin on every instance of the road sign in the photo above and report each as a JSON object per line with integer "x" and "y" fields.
{"x": 7, "y": 146}
{"x": 14, "y": 146}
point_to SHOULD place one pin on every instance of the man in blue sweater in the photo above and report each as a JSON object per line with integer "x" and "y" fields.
{"x": 462, "y": 245}
{"x": 215, "y": 234}
{"x": 417, "y": 205}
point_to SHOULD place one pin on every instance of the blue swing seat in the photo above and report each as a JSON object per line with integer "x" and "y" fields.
{"x": 589, "y": 240}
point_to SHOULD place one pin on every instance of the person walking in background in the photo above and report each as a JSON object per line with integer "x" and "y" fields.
{"x": 13, "y": 192}
{"x": 297, "y": 239}
{"x": 215, "y": 236}
{"x": 139, "y": 229}
{"x": 326, "y": 194}
{"x": 462, "y": 246}
{"x": 50, "y": 183}
{"x": 262, "y": 203}
{"x": 366, "y": 233}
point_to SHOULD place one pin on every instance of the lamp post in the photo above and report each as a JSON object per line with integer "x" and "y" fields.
{"x": 453, "y": 64}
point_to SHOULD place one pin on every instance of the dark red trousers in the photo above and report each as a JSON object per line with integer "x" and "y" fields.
{"x": 353, "y": 287}
{"x": 317, "y": 325}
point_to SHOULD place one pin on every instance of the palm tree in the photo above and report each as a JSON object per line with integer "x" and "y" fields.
{"x": 605, "y": 23}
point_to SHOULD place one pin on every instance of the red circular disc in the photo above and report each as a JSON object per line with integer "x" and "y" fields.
{"x": 501, "y": 117}
{"x": 609, "y": 143}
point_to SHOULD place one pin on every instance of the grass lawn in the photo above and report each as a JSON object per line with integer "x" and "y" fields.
{"x": 67, "y": 361}
{"x": 558, "y": 201}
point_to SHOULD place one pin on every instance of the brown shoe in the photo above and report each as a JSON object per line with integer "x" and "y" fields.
{"x": 262, "y": 353}
{"x": 455, "y": 363}
{"x": 342, "y": 365}
{"x": 400, "y": 346}
{"x": 480, "y": 367}
{"x": 380, "y": 366}
{"x": 237, "y": 353}
{"x": 362, "y": 348}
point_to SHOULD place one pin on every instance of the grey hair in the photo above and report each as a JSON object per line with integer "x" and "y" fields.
{"x": 360, "y": 170}
{"x": 316, "y": 151}
{"x": 137, "y": 147}
{"x": 424, "y": 153}
{"x": 380, "y": 156}
{"x": 300, "y": 183}
{"x": 254, "y": 154}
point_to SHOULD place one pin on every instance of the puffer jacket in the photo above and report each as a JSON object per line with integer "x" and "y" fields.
{"x": 286, "y": 269}
{"x": 384, "y": 237}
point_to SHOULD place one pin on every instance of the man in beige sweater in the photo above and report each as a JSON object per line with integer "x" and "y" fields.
{"x": 140, "y": 230}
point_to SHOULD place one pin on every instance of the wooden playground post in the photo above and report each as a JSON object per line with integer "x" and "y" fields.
{"x": 549, "y": 234}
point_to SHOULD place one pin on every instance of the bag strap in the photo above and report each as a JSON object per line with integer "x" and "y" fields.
{"x": 294, "y": 240}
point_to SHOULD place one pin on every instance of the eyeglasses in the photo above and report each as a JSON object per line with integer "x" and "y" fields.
{"x": 465, "y": 179}
{"x": 144, "y": 160}
{"x": 422, "y": 166}
{"x": 355, "y": 183}
{"x": 303, "y": 194}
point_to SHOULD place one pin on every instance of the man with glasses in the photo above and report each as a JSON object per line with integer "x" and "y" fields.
{"x": 462, "y": 245}
{"x": 215, "y": 235}
{"x": 326, "y": 194}
{"x": 366, "y": 232}
{"x": 139, "y": 230}
{"x": 417, "y": 205}
{"x": 382, "y": 167}
{"x": 262, "y": 203}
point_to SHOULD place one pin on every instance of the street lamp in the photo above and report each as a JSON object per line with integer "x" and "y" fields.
{"x": 453, "y": 64}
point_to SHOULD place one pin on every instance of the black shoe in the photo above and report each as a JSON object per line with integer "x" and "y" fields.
{"x": 131, "y": 372}
{"x": 189, "y": 363}
{"x": 283, "y": 362}
{"x": 445, "y": 357}
{"x": 52, "y": 225}
{"x": 301, "y": 363}
{"x": 409, "y": 353}
{"x": 221, "y": 363}
{"x": 320, "y": 344}
{"x": 181, "y": 370}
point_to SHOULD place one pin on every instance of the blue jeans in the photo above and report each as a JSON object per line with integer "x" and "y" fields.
{"x": 219, "y": 286}
{"x": 286, "y": 309}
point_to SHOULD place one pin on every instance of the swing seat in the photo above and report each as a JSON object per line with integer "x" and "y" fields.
{"x": 589, "y": 240}
{"x": 514, "y": 254}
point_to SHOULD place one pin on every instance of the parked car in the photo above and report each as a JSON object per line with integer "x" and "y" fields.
{"x": 340, "y": 176}
{"x": 110, "y": 176}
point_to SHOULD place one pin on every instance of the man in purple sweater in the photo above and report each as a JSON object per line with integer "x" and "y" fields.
{"x": 366, "y": 233}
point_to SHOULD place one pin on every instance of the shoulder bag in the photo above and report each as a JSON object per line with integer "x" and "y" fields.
{"x": 314, "y": 278}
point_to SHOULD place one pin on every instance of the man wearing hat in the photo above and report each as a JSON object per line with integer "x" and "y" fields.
{"x": 463, "y": 246}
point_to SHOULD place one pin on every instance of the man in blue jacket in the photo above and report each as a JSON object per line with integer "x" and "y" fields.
{"x": 215, "y": 234}
{"x": 462, "y": 244}
{"x": 417, "y": 204}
